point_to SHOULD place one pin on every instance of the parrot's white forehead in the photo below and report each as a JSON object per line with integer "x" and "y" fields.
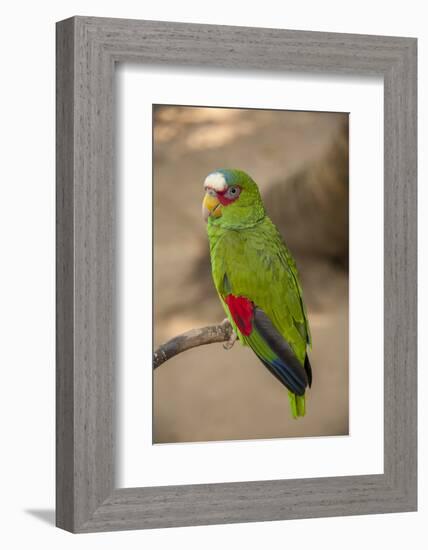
{"x": 215, "y": 181}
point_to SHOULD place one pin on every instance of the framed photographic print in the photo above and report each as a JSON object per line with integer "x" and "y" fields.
{"x": 236, "y": 274}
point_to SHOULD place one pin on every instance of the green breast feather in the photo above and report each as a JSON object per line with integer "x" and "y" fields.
{"x": 256, "y": 264}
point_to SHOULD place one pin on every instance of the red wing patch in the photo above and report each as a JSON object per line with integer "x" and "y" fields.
{"x": 241, "y": 310}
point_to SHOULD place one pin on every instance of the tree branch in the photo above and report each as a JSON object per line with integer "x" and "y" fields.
{"x": 191, "y": 339}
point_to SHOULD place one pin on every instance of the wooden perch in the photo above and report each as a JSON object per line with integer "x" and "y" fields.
{"x": 193, "y": 338}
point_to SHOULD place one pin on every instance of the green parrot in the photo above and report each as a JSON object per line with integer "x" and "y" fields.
{"x": 257, "y": 281}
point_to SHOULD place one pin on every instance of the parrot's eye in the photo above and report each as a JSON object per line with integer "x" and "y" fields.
{"x": 211, "y": 192}
{"x": 233, "y": 192}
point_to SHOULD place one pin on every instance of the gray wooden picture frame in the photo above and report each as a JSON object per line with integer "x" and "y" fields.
{"x": 87, "y": 51}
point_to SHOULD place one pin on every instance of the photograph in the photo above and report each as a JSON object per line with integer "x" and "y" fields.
{"x": 250, "y": 271}
{"x": 210, "y": 266}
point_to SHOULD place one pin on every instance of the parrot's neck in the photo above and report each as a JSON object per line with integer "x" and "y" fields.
{"x": 238, "y": 218}
{"x": 237, "y": 227}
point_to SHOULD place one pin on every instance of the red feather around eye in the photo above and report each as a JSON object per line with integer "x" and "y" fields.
{"x": 241, "y": 310}
{"x": 229, "y": 195}
{"x": 224, "y": 200}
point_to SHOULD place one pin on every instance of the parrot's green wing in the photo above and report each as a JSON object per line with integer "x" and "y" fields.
{"x": 289, "y": 264}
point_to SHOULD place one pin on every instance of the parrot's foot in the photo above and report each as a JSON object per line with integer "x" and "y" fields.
{"x": 233, "y": 337}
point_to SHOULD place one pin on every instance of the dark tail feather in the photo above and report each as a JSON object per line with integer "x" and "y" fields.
{"x": 308, "y": 370}
{"x": 287, "y": 368}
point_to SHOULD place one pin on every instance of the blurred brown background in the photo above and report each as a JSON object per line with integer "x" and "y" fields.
{"x": 300, "y": 162}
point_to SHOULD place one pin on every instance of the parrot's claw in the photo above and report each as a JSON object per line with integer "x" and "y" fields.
{"x": 229, "y": 344}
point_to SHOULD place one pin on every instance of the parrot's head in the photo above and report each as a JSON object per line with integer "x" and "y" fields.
{"x": 232, "y": 198}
